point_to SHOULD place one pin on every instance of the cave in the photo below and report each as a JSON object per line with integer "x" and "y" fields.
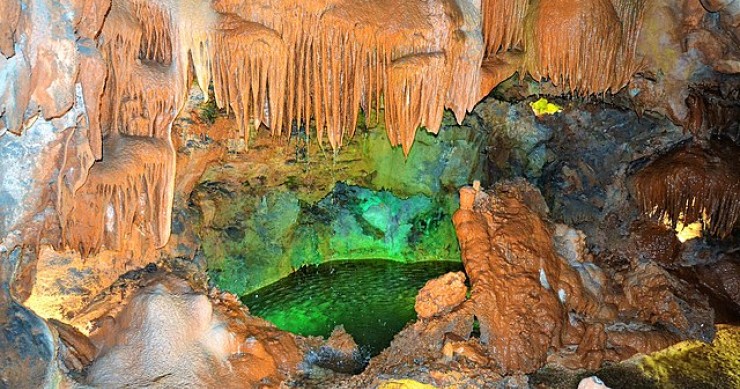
{"x": 408, "y": 194}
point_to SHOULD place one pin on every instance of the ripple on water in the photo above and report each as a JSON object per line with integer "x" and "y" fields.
{"x": 373, "y": 299}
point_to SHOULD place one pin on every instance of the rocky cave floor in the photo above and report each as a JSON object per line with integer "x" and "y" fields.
{"x": 571, "y": 279}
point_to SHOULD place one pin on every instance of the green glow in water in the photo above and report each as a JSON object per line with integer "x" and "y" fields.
{"x": 373, "y": 299}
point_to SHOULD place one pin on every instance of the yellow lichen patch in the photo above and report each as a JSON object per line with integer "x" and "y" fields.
{"x": 405, "y": 384}
{"x": 543, "y": 107}
{"x": 697, "y": 364}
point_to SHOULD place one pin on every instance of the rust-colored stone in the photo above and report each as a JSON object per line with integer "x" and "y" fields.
{"x": 441, "y": 295}
{"x": 530, "y": 300}
{"x": 693, "y": 183}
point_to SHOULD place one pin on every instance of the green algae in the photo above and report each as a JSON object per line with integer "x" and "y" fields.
{"x": 267, "y": 212}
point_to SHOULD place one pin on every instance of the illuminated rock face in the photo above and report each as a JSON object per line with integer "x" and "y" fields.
{"x": 441, "y": 295}
{"x": 274, "y": 63}
{"x": 164, "y": 331}
{"x": 128, "y": 193}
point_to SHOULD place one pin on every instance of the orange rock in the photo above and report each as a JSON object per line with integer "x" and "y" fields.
{"x": 529, "y": 300}
{"x": 441, "y": 295}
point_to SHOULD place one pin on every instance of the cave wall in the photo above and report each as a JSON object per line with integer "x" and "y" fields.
{"x": 134, "y": 71}
{"x": 89, "y": 91}
{"x": 262, "y": 213}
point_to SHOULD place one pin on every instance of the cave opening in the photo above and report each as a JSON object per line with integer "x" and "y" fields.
{"x": 369, "y": 194}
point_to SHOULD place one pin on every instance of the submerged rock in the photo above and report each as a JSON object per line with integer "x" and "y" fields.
{"x": 339, "y": 353}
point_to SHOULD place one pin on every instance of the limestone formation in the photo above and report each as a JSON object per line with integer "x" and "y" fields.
{"x": 165, "y": 333}
{"x": 89, "y": 171}
{"x": 693, "y": 183}
{"x": 530, "y": 300}
{"x": 441, "y": 295}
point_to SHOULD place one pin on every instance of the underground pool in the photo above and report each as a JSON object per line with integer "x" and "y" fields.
{"x": 373, "y": 299}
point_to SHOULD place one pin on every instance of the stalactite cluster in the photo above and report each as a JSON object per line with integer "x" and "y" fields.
{"x": 287, "y": 62}
{"x": 414, "y": 97}
{"x": 126, "y": 200}
{"x": 248, "y": 72}
{"x": 583, "y": 46}
{"x": 691, "y": 184}
{"x": 503, "y": 24}
{"x": 126, "y": 197}
{"x": 144, "y": 89}
{"x": 341, "y": 57}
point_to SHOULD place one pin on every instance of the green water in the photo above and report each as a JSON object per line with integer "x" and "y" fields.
{"x": 373, "y": 299}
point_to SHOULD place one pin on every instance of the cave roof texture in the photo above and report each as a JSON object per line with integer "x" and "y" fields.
{"x": 89, "y": 89}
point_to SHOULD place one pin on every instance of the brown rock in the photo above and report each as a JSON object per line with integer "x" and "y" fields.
{"x": 657, "y": 297}
{"x": 469, "y": 350}
{"x": 11, "y": 11}
{"x": 126, "y": 202}
{"x": 77, "y": 350}
{"x": 508, "y": 255}
{"x": 529, "y": 300}
{"x": 341, "y": 341}
{"x": 441, "y": 295}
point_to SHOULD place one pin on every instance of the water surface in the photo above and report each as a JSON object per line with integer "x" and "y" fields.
{"x": 373, "y": 299}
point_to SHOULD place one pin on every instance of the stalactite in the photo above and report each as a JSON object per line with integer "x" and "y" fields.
{"x": 464, "y": 58}
{"x": 145, "y": 88}
{"x": 584, "y": 46}
{"x": 415, "y": 97}
{"x": 126, "y": 198}
{"x": 339, "y": 59}
{"x": 156, "y": 38}
{"x": 503, "y": 24}
{"x": 126, "y": 201}
{"x": 249, "y": 66}
{"x": 691, "y": 184}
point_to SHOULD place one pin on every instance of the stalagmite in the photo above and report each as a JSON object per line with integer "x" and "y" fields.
{"x": 535, "y": 306}
{"x": 508, "y": 255}
{"x": 691, "y": 184}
